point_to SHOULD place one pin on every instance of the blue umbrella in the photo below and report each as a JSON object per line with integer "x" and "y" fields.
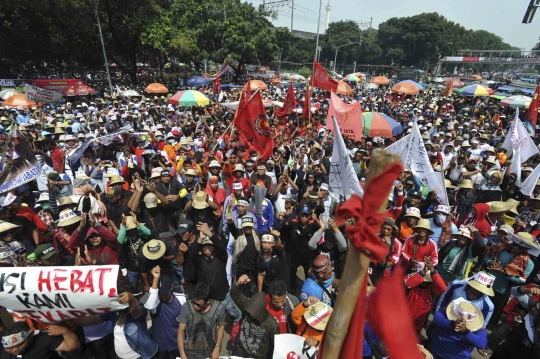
{"x": 420, "y": 87}
{"x": 197, "y": 80}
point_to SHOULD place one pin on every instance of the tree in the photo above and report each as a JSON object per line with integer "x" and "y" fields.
{"x": 341, "y": 33}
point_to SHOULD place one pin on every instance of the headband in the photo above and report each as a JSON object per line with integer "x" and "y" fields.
{"x": 13, "y": 340}
{"x": 243, "y": 203}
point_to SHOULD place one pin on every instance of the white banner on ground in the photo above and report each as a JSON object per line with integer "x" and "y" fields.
{"x": 55, "y": 294}
{"x": 529, "y": 184}
{"x": 291, "y": 346}
{"x": 37, "y": 94}
{"x": 343, "y": 178}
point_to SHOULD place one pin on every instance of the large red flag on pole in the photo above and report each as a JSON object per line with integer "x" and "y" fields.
{"x": 321, "y": 79}
{"x": 306, "y": 109}
{"x": 217, "y": 86}
{"x": 252, "y": 125}
{"x": 532, "y": 112}
{"x": 348, "y": 117}
{"x": 289, "y": 105}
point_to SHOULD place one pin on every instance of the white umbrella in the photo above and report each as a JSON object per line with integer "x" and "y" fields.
{"x": 438, "y": 80}
{"x": 131, "y": 93}
{"x": 370, "y": 86}
{"x": 4, "y": 94}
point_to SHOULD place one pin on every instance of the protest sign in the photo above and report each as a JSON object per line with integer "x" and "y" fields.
{"x": 348, "y": 116}
{"x": 36, "y": 94}
{"x": 55, "y": 294}
{"x": 343, "y": 179}
{"x": 19, "y": 165}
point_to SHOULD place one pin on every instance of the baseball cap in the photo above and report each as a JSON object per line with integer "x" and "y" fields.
{"x": 415, "y": 194}
{"x": 150, "y": 200}
{"x": 45, "y": 251}
{"x": 305, "y": 210}
{"x": 324, "y": 187}
{"x": 247, "y": 221}
{"x": 184, "y": 226}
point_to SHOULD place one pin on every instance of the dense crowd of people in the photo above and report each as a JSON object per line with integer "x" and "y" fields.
{"x": 212, "y": 238}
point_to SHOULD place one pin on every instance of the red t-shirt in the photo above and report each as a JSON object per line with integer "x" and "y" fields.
{"x": 278, "y": 314}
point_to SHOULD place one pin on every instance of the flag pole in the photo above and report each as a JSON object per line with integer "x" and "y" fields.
{"x": 221, "y": 137}
{"x": 308, "y": 92}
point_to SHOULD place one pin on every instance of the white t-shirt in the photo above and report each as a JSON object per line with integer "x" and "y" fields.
{"x": 475, "y": 153}
{"x": 121, "y": 346}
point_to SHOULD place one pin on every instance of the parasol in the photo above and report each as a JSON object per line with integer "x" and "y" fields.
{"x": 380, "y": 80}
{"x": 351, "y": 78}
{"x": 4, "y": 94}
{"x": 455, "y": 82}
{"x": 256, "y": 85}
{"x": 516, "y": 101}
{"x": 294, "y": 77}
{"x": 378, "y": 124}
{"x": 189, "y": 98}
{"x": 407, "y": 87}
{"x": 344, "y": 89}
{"x": 156, "y": 88}
{"x": 475, "y": 90}
{"x": 130, "y": 93}
{"x": 18, "y": 100}
{"x": 370, "y": 86}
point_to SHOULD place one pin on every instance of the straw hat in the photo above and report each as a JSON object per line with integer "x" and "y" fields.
{"x": 317, "y": 315}
{"x": 6, "y": 226}
{"x": 425, "y": 352}
{"x": 116, "y": 179}
{"x": 65, "y": 200}
{"x": 154, "y": 249}
{"x": 413, "y": 212}
{"x": 462, "y": 309}
{"x": 58, "y": 131}
{"x": 512, "y": 204}
{"x": 466, "y": 183}
{"x": 111, "y": 172}
{"x": 498, "y": 207}
{"x": 191, "y": 172}
{"x": 464, "y": 232}
{"x": 424, "y": 223}
{"x": 81, "y": 175}
{"x": 156, "y": 172}
{"x": 200, "y": 201}
{"x": 238, "y": 167}
{"x": 448, "y": 184}
{"x": 525, "y": 239}
{"x": 482, "y": 282}
{"x": 68, "y": 217}
{"x": 130, "y": 223}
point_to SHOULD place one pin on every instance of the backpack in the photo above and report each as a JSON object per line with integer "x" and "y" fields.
{"x": 201, "y": 340}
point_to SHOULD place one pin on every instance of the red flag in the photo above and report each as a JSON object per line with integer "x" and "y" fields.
{"x": 306, "y": 109}
{"x": 448, "y": 90}
{"x": 532, "y": 112}
{"x": 390, "y": 318}
{"x": 217, "y": 86}
{"x": 319, "y": 78}
{"x": 248, "y": 89}
{"x": 252, "y": 125}
{"x": 348, "y": 117}
{"x": 241, "y": 103}
{"x": 289, "y": 105}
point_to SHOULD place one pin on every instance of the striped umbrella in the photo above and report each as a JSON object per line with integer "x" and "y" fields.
{"x": 351, "y": 78}
{"x": 516, "y": 101}
{"x": 475, "y": 90}
{"x": 189, "y": 98}
{"x": 376, "y": 124}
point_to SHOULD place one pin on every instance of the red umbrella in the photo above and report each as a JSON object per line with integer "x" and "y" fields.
{"x": 455, "y": 82}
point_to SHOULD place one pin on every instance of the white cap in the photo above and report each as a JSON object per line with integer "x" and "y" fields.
{"x": 214, "y": 163}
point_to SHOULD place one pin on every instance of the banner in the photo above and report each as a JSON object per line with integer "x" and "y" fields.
{"x": 321, "y": 79}
{"x": 348, "y": 116}
{"x": 520, "y": 144}
{"x": 530, "y": 182}
{"x": 19, "y": 164}
{"x": 59, "y": 85}
{"x": 54, "y": 294}
{"x": 343, "y": 178}
{"x": 36, "y": 94}
{"x": 13, "y": 82}
{"x": 291, "y": 346}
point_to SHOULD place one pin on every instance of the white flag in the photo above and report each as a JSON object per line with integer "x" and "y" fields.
{"x": 220, "y": 97}
{"x": 518, "y": 139}
{"x": 414, "y": 156}
{"x": 400, "y": 148}
{"x": 343, "y": 178}
{"x": 529, "y": 184}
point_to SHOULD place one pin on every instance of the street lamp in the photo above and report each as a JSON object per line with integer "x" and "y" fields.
{"x": 337, "y": 48}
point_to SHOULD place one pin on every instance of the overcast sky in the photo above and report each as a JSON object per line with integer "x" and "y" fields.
{"x": 501, "y": 17}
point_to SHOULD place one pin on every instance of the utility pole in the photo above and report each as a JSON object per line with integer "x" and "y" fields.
{"x": 104, "y": 52}
{"x": 292, "y": 14}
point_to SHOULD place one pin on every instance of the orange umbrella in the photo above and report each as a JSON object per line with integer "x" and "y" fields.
{"x": 156, "y": 88}
{"x": 18, "y": 100}
{"x": 256, "y": 85}
{"x": 406, "y": 88}
{"x": 477, "y": 77}
{"x": 455, "y": 82}
{"x": 380, "y": 80}
{"x": 344, "y": 89}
